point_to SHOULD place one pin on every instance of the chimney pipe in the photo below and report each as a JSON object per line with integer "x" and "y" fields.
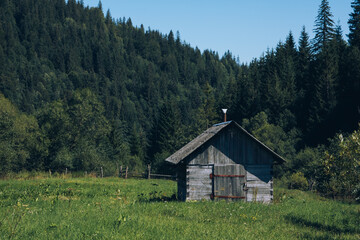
{"x": 224, "y": 111}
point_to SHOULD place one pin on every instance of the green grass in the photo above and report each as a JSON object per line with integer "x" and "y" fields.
{"x": 112, "y": 208}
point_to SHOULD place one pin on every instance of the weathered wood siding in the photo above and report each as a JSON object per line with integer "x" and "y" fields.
{"x": 259, "y": 182}
{"x": 199, "y": 184}
{"x": 232, "y": 146}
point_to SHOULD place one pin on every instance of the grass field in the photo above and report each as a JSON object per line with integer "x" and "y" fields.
{"x": 113, "y": 208}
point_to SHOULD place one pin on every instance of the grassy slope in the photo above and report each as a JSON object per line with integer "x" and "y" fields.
{"x": 111, "y": 208}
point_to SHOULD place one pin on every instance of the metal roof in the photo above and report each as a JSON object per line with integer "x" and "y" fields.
{"x": 206, "y": 136}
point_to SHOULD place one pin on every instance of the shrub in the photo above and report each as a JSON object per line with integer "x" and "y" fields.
{"x": 341, "y": 166}
{"x": 298, "y": 181}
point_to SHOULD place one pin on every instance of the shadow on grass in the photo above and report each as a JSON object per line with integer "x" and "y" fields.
{"x": 297, "y": 220}
{"x": 156, "y": 197}
{"x": 325, "y": 236}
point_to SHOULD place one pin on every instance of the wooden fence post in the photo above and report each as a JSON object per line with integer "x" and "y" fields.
{"x": 126, "y": 172}
{"x": 65, "y": 171}
{"x": 149, "y": 171}
{"x": 102, "y": 172}
{"x": 117, "y": 169}
{"x": 120, "y": 171}
{"x": 50, "y": 172}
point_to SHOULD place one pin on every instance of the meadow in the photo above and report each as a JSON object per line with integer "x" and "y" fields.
{"x": 116, "y": 208}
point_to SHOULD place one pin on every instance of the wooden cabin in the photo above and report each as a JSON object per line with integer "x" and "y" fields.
{"x": 225, "y": 162}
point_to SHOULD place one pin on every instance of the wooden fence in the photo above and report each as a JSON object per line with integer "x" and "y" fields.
{"x": 123, "y": 172}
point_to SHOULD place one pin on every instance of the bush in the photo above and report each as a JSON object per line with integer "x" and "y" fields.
{"x": 298, "y": 181}
{"x": 341, "y": 167}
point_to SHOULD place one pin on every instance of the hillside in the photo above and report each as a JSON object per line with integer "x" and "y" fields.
{"x": 80, "y": 90}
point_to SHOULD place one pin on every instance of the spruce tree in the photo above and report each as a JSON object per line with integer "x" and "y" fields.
{"x": 324, "y": 27}
{"x": 339, "y": 44}
{"x": 207, "y": 111}
{"x": 323, "y": 89}
{"x": 290, "y": 46}
{"x": 282, "y": 88}
{"x": 303, "y": 78}
{"x": 303, "y": 63}
{"x": 354, "y": 24}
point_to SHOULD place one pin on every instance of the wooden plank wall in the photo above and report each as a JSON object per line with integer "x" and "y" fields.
{"x": 259, "y": 183}
{"x": 199, "y": 184}
{"x": 231, "y": 146}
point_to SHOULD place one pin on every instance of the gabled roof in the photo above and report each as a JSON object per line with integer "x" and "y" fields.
{"x": 206, "y": 136}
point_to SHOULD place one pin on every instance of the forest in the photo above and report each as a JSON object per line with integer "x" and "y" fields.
{"x": 80, "y": 90}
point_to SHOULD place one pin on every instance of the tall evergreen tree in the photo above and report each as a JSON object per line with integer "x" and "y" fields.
{"x": 303, "y": 62}
{"x": 290, "y": 46}
{"x": 324, "y": 96}
{"x": 303, "y": 81}
{"x": 207, "y": 111}
{"x": 324, "y": 27}
{"x": 354, "y": 24}
{"x": 339, "y": 43}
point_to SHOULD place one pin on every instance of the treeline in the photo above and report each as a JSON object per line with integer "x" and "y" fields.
{"x": 82, "y": 90}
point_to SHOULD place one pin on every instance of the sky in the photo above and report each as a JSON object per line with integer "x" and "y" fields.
{"x": 247, "y": 28}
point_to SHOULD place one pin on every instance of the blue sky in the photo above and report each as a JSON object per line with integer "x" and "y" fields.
{"x": 245, "y": 27}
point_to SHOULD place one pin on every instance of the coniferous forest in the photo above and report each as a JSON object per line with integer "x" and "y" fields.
{"x": 80, "y": 89}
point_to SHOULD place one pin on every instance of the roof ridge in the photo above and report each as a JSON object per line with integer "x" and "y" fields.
{"x": 218, "y": 124}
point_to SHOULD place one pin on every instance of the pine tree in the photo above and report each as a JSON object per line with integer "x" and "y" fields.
{"x": 303, "y": 78}
{"x": 282, "y": 89}
{"x": 137, "y": 143}
{"x": 170, "y": 128}
{"x": 290, "y": 46}
{"x": 339, "y": 43}
{"x": 167, "y": 135}
{"x": 354, "y": 24}
{"x": 206, "y": 114}
{"x": 325, "y": 73}
{"x": 303, "y": 63}
{"x": 324, "y": 27}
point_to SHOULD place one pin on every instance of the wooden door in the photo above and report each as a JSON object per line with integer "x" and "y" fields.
{"x": 198, "y": 182}
{"x": 229, "y": 182}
